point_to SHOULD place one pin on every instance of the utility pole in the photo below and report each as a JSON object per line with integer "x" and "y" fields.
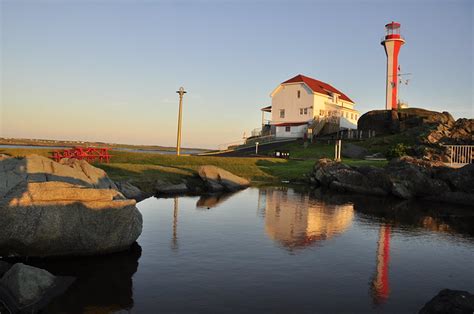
{"x": 181, "y": 93}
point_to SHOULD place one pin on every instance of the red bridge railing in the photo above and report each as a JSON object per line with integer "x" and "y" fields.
{"x": 89, "y": 154}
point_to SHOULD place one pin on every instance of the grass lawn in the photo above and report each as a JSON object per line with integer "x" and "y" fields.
{"x": 142, "y": 168}
{"x": 149, "y": 166}
{"x": 313, "y": 151}
{"x": 381, "y": 144}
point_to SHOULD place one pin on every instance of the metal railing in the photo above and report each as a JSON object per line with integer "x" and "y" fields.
{"x": 227, "y": 146}
{"x": 256, "y": 132}
{"x": 384, "y": 37}
{"x": 250, "y": 142}
{"x": 260, "y": 139}
{"x": 460, "y": 154}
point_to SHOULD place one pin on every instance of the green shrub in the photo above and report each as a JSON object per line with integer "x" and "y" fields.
{"x": 397, "y": 150}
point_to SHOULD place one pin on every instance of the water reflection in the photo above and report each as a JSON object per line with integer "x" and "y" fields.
{"x": 297, "y": 220}
{"x": 247, "y": 277}
{"x": 380, "y": 285}
{"x": 174, "y": 239}
{"x": 411, "y": 217}
{"x": 213, "y": 200}
{"x": 103, "y": 285}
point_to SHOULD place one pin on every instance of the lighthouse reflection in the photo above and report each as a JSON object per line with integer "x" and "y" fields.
{"x": 380, "y": 288}
{"x": 297, "y": 220}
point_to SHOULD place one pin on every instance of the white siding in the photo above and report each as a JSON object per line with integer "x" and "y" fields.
{"x": 287, "y": 98}
{"x": 295, "y": 131}
{"x": 318, "y": 105}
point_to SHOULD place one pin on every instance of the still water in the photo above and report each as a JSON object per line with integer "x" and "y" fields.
{"x": 277, "y": 250}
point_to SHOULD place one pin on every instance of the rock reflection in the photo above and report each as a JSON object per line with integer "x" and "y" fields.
{"x": 297, "y": 220}
{"x": 212, "y": 200}
{"x": 380, "y": 288}
{"x": 411, "y": 215}
{"x": 103, "y": 285}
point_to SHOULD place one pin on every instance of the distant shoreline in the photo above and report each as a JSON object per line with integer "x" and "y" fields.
{"x": 65, "y": 144}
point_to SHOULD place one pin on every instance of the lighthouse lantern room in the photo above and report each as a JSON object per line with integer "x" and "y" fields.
{"x": 392, "y": 42}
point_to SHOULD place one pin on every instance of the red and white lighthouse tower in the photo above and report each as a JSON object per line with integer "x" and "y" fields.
{"x": 392, "y": 43}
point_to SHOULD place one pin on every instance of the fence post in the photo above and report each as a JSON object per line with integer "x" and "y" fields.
{"x": 337, "y": 150}
{"x": 452, "y": 154}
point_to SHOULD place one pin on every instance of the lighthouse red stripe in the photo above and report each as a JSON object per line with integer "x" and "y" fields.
{"x": 396, "y": 49}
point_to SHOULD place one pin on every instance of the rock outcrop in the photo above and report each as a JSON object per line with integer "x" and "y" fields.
{"x": 429, "y": 130}
{"x": 391, "y": 121}
{"x": 450, "y": 301}
{"x": 405, "y": 178}
{"x": 27, "y": 289}
{"x": 217, "y": 179}
{"x": 167, "y": 188}
{"x": 130, "y": 191}
{"x": 350, "y": 150}
{"x": 67, "y": 208}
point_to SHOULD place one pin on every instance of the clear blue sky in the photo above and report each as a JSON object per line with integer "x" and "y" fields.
{"x": 108, "y": 70}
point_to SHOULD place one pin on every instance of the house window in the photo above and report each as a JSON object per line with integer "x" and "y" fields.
{"x": 305, "y": 110}
{"x": 355, "y": 117}
{"x": 321, "y": 112}
{"x": 282, "y": 113}
{"x": 301, "y": 110}
{"x": 287, "y": 128}
{"x": 352, "y": 116}
{"x": 299, "y": 94}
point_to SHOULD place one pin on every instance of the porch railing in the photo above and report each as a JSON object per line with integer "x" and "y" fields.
{"x": 461, "y": 154}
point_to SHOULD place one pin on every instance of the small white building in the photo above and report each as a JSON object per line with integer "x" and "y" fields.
{"x": 303, "y": 102}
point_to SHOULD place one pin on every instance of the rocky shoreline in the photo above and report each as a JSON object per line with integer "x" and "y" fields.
{"x": 404, "y": 178}
{"x": 208, "y": 180}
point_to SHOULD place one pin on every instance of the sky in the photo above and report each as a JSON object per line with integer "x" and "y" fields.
{"x": 108, "y": 70}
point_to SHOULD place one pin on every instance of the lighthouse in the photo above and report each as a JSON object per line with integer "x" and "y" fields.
{"x": 392, "y": 43}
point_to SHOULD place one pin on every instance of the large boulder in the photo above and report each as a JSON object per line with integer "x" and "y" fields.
{"x": 461, "y": 179}
{"x": 350, "y": 150}
{"x": 27, "y": 289}
{"x": 450, "y": 302}
{"x": 68, "y": 208}
{"x": 343, "y": 178}
{"x": 412, "y": 177}
{"x": 217, "y": 179}
{"x": 130, "y": 191}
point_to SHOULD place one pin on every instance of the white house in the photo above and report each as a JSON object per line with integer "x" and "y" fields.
{"x": 303, "y": 102}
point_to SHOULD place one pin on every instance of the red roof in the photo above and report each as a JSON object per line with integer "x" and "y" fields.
{"x": 291, "y": 123}
{"x": 318, "y": 86}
